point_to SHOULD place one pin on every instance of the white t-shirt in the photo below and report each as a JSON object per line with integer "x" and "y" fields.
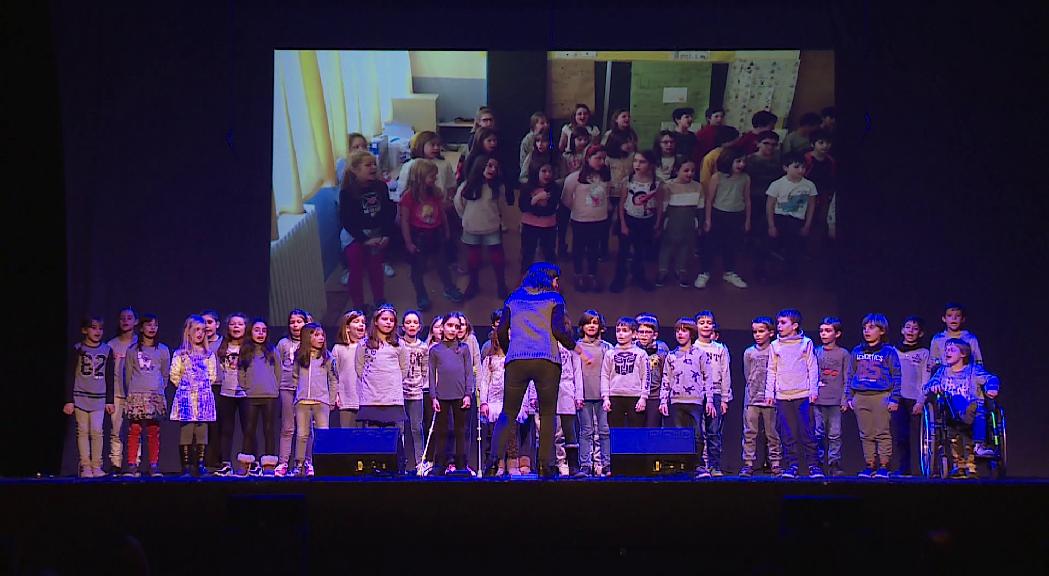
{"x": 679, "y": 194}
{"x": 638, "y": 209}
{"x": 792, "y": 198}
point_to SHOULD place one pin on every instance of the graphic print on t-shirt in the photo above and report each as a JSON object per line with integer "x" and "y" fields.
{"x": 92, "y": 365}
{"x": 624, "y": 362}
{"x": 145, "y": 363}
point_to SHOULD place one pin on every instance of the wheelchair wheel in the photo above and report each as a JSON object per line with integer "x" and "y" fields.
{"x": 997, "y": 465}
{"x": 934, "y": 451}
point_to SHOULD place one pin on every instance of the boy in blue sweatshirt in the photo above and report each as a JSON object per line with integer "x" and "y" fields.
{"x": 873, "y": 392}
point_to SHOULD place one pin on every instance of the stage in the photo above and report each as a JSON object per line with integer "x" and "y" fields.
{"x": 759, "y": 525}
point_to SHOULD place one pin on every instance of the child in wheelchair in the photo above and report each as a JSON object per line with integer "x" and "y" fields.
{"x": 966, "y": 389}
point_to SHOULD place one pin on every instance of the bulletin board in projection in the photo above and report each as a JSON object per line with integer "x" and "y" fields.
{"x": 657, "y": 88}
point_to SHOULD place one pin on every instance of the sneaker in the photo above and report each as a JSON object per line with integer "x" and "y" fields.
{"x": 281, "y": 470}
{"x": 959, "y": 473}
{"x": 867, "y": 472}
{"x": 617, "y": 285}
{"x": 701, "y": 280}
{"x": 454, "y": 295}
{"x": 816, "y": 472}
{"x": 297, "y": 471}
{"x": 309, "y": 468}
{"x": 776, "y": 471}
{"x": 835, "y": 469}
{"x": 116, "y": 471}
{"x": 716, "y": 472}
{"x": 255, "y": 469}
{"x": 584, "y": 473}
{"x": 746, "y": 471}
{"x": 86, "y": 471}
{"x": 882, "y": 472}
{"x": 682, "y": 281}
{"x": 702, "y": 472}
{"x": 790, "y": 473}
{"x": 225, "y": 469}
{"x": 980, "y": 450}
{"x": 97, "y": 472}
{"x": 388, "y": 271}
{"x": 661, "y": 279}
{"x": 734, "y": 279}
{"x": 607, "y": 472}
{"x": 154, "y": 471}
{"x": 899, "y": 474}
{"x": 423, "y": 469}
{"x": 131, "y": 472}
{"x": 423, "y": 304}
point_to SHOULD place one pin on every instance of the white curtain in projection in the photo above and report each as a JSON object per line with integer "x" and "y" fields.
{"x": 764, "y": 82}
{"x": 356, "y": 91}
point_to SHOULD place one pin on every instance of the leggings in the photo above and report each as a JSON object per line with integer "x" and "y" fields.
{"x": 586, "y": 238}
{"x": 640, "y": 240}
{"x": 361, "y": 260}
{"x": 459, "y": 424}
{"x": 266, "y": 408}
{"x": 134, "y": 435}
{"x": 89, "y": 436}
{"x": 547, "y": 378}
{"x": 727, "y": 233}
{"x": 229, "y": 408}
{"x": 532, "y": 236}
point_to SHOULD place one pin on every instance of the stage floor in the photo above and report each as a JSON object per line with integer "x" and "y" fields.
{"x": 759, "y": 525}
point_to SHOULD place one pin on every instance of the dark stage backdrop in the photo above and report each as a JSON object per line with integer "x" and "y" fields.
{"x": 149, "y": 128}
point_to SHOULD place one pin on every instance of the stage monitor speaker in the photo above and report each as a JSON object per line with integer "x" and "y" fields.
{"x": 355, "y": 451}
{"x": 653, "y": 451}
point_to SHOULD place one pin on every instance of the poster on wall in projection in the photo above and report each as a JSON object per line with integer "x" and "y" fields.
{"x": 754, "y": 85}
{"x": 657, "y": 88}
{"x": 571, "y": 83}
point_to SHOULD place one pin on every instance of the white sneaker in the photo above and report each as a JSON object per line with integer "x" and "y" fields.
{"x": 388, "y": 271}
{"x": 423, "y": 468}
{"x": 734, "y": 279}
{"x": 701, "y": 280}
{"x": 280, "y": 470}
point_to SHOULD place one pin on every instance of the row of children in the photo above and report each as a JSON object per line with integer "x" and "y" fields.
{"x": 379, "y": 376}
{"x": 669, "y": 196}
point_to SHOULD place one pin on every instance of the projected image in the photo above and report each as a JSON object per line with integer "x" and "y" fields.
{"x": 662, "y": 181}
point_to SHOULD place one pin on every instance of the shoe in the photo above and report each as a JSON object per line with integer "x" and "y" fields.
{"x": 606, "y": 472}
{"x": 682, "y": 281}
{"x": 734, "y": 279}
{"x": 255, "y": 469}
{"x": 790, "y": 473}
{"x": 661, "y": 279}
{"x": 525, "y": 464}
{"x": 225, "y": 469}
{"x": 202, "y": 470}
{"x": 116, "y": 471}
{"x": 882, "y": 472}
{"x": 900, "y": 474}
{"x": 154, "y": 471}
{"x": 309, "y": 468}
{"x": 776, "y": 472}
{"x": 280, "y": 470}
{"x": 702, "y": 472}
{"x": 86, "y": 471}
{"x": 97, "y": 472}
{"x": 131, "y": 472}
{"x": 423, "y": 304}
{"x": 746, "y": 471}
{"x": 867, "y": 472}
{"x": 980, "y": 450}
{"x": 816, "y": 472}
{"x": 617, "y": 285}
{"x": 701, "y": 280}
{"x": 584, "y": 473}
{"x": 716, "y": 472}
{"x": 388, "y": 271}
{"x": 470, "y": 471}
{"x": 269, "y": 465}
{"x": 454, "y": 295}
{"x": 471, "y": 291}
{"x": 437, "y": 471}
{"x": 424, "y": 467}
{"x": 549, "y": 472}
{"x": 184, "y": 458}
{"x": 595, "y": 284}
{"x": 298, "y": 471}
{"x": 959, "y": 473}
{"x": 490, "y": 469}
{"x": 513, "y": 466}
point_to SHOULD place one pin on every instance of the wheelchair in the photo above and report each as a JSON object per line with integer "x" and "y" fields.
{"x": 942, "y": 444}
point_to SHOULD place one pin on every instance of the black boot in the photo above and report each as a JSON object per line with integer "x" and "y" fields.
{"x": 572, "y": 456}
{"x": 202, "y": 470}
{"x": 490, "y": 469}
{"x": 549, "y": 471}
{"x": 184, "y": 452}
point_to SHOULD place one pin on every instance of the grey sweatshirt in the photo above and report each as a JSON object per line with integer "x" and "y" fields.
{"x": 624, "y": 371}
{"x": 792, "y": 372}
{"x": 260, "y": 378}
{"x": 382, "y": 371}
{"x": 91, "y": 377}
{"x": 286, "y": 350}
{"x": 594, "y": 386}
{"x": 451, "y": 370}
{"x": 755, "y": 370}
{"x": 720, "y": 372}
{"x": 936, "y": 348}
{"x": 686, "y": 377}
{"x": 145, "y": 370}
{"x": 914, "y": 370}
{"x": 120, "y": 349}
{"x": 834, "y": 373}
{"x": 418, "y": 369}
{"x": 317, "y": 383}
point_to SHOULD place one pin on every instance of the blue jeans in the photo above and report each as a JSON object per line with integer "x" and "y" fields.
{"x": 586, "y": 433}
{"x": 828, "y": 433}
{"x": 712, "y": 435}
{"x": 413, "y": 432}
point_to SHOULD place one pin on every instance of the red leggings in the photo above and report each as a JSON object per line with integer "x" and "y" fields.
{"x": 152, "y": 439}
{"x": 495, "y": 254}
{"x": 360, "y": 260}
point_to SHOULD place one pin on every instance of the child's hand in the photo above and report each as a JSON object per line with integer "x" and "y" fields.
{"x": 68, "y": 409}
{"x": 411, "y": 248}
{"x": 664, "y": 410}
{"x": 711, "y": 411}
{"x": 706, "y": 225}
{"x": 436, "y": 405}
{"x": 606, "y": 405}
{"x": 640, "y": 406}
{"x": 584, "y": 356}
{"x": 770, "y": 401}
{"x": 724, "y": 407}
{"x": 773, "y": 232}
{"x": 466, "y": 402}
{"x": 813, "y": 398}
{"x": 624, "y": 230}
{"x": 484, "y": 409}
{"x": 578, "y": 405}
{"x": 850, "y": 406}
{"x": 110, "y": 408}
{"x": 893, "y": 406}
{"x": 917, "y": 410}
{"x": 844, "y": 408}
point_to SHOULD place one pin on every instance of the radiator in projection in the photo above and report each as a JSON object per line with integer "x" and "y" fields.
{"x": 296, "y": 268}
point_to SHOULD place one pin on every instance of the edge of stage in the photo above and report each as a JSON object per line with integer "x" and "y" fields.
{"x": 758, "y": 525}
